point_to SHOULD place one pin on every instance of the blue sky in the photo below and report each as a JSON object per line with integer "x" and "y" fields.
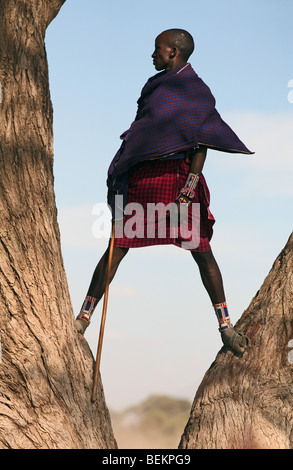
{"x": 161, "y": 332}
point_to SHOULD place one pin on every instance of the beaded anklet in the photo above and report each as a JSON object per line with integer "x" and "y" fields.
{"x": 223, "y": 317}
{"x": 87, "y": 309}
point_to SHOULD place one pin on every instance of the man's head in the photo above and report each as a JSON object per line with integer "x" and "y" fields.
{"x": 173, "y": 47}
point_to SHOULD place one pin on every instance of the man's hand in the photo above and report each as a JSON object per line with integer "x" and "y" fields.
{"x": 178, "y": 212}
{"x": 189, "y": 154}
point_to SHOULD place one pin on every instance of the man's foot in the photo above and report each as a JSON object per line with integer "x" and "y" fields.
{"x": 81, "y": 325}
{"x": 236, "y": 341}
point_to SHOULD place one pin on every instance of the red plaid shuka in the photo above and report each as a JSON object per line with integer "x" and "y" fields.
{"x": 159, "y": 181}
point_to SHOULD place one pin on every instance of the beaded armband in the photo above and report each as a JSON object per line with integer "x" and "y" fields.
{"x": 187, "y": 194}
{"x": 192, "y": 180}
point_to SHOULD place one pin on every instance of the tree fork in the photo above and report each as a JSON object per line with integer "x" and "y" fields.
{"x": 247, "y": 403}
{"x": 46, "y": 368}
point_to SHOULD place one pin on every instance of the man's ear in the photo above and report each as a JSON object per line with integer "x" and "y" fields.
{"x": 173, "y": 52}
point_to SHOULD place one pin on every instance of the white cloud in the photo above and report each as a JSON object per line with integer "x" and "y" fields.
{"x": 267, "y": 173}
{"x": 124, "y": 291}
{"x": 76, "y": 227}
{"x": 114, "y": 335}
{"x": 270, "y": 136}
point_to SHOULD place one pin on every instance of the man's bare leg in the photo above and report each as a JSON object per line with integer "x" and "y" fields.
{"x": 213, "y": 282}
{"x": 97, "y": 286}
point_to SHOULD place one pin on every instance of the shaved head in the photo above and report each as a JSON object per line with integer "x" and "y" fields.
{"x": 172, "y": 48}
{"x": 180, "y": 39}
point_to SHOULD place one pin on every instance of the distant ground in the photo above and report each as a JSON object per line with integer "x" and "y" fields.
{"x": 156, "y": 423}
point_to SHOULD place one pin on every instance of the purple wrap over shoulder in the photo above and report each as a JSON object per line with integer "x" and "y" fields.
{"x": 176, "y": 111}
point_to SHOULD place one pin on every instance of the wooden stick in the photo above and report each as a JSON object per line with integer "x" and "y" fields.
{"x": 103, "y": 319}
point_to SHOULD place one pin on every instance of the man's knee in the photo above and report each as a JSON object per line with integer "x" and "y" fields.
{"x": 205, "y": 261}
{"x": 203, "y": 257}
{"x": 119, "y": 253}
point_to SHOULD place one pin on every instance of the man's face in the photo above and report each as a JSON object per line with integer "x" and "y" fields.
{"x": 163, "y": 54}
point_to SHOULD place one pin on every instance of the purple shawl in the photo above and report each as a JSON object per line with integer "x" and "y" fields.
{"x": 176, "y": 111}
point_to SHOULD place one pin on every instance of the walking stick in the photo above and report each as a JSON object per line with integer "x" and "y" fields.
{"x": 103, "y": 319}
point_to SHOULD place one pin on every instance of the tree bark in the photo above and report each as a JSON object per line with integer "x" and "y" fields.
{"x": 247, "y": 403}
{"x": 46, "y": 368}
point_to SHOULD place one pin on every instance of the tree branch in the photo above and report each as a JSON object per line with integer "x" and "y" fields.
{"x": 247, "y": 402}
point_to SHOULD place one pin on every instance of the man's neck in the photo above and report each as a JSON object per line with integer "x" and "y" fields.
{"x": 174, "y": 65}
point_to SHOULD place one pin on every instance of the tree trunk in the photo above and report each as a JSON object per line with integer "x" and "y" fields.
{"x": 46, "y": 368}
{"x": 247, "y": 403}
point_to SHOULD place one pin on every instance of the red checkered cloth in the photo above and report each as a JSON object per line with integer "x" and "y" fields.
{"x": 159, "y": 181}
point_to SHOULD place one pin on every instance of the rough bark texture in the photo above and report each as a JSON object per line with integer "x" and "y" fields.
{"x": 46, "y": 368}
{"x": 247, "y": 403}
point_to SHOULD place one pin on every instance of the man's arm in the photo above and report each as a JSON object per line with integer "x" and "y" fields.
{"x": 196, "y": 158}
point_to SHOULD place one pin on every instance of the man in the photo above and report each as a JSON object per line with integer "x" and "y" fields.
{"x": 161, "y": 160}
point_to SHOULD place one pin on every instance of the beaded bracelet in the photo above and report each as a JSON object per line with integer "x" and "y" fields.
{"x": 187, "y": 194}
{"x": 183, "y": 200}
